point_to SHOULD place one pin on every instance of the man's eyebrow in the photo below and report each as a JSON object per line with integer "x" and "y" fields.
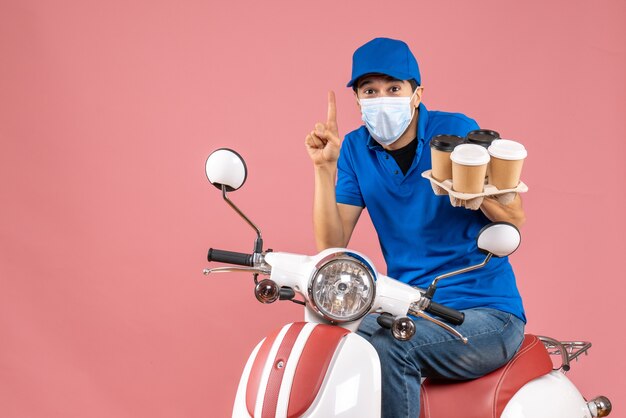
{"x": 365, "y": 83}
{"x": 387, "y": 79}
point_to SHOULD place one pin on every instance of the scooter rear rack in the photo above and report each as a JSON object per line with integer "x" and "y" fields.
{"x": 568, "y": 350}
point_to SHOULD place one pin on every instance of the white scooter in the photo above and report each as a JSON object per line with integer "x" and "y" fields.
{"x": 322, "y": 368}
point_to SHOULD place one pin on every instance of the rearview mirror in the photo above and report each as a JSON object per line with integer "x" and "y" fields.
{"x": 499, "y": 238}
{"x": 225, "y": 167}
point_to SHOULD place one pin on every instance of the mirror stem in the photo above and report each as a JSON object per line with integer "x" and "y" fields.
{"x": 433, "y": 286}
{"x": 258, "y": 244}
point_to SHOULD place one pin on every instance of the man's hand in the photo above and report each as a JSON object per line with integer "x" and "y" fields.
{"x": 513, "y": 212}
{"x": 323, "y": 142}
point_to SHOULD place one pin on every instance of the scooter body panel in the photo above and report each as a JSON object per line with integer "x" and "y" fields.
{"x": 349, "y": 387}
{"x": 240, "y": 410}
{"x": 550, "y": 396}
{"x": 352, "y": 384}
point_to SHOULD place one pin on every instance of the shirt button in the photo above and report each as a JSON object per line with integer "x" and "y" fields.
{"x": 396, "y": 172}
{"x": 386, "y": 157}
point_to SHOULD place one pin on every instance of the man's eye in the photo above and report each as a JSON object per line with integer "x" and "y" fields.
{"x": 395, "y": 89}
{"x": 368, "y": 91}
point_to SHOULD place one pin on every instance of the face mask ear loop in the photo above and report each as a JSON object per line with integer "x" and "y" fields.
{"x": 413, "y": 107}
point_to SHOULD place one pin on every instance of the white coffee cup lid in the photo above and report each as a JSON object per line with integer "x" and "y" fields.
{"x": 505, "y": 149}
{"x": 470, "y": 154}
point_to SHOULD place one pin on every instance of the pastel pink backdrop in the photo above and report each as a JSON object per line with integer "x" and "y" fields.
{"x": 109, "y": 109}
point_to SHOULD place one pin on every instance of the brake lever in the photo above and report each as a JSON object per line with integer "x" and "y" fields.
{"x": 257, "y": 270}
{"x": 422, "y": 314}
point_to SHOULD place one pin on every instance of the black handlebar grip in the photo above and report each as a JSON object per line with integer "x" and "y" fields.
{"x": 230, "y": 257}
{"x": 450, "y": 315}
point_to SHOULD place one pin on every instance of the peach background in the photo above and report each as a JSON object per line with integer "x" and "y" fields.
{"x": 108, "y": 110}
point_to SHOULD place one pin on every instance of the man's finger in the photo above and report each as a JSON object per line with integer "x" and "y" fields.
{"x": 332, "y": 109}
{"x": 314, "y": 141}
{"x": 320, "y": 128}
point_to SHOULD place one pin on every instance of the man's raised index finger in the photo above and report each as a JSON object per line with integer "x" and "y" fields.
{"x": 332, "y": 108}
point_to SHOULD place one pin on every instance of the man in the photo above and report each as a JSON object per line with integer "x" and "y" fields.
{"x": 422, "y": 235}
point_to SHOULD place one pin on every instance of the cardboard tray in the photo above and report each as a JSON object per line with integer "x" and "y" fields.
{"x": 473, "y": 200}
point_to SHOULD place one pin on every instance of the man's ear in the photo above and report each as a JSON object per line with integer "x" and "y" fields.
{"x": 417, "y": 99}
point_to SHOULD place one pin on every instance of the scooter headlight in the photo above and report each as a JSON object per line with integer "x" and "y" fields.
{"x": 342, "y": 288}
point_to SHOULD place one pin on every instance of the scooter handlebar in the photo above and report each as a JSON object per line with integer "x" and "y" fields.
{"x": 230, "y": 257}
{"x": 448, "y": 314}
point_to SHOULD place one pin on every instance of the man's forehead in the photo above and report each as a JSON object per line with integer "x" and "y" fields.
{"x": 378, "y": 78}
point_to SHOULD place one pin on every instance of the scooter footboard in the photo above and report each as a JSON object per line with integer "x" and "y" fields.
{"x": 310, "y": 370}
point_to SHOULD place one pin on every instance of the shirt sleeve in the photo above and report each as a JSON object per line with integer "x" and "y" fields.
{"x": 347, "y": 189}
{"x": 464, "y": 125}
{"x": 472, "y": 125}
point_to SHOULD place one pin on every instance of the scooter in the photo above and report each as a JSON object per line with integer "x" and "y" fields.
{"x": 321, "y": 368}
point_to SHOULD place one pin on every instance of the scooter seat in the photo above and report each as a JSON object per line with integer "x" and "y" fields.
{"x": 487, "y": 396}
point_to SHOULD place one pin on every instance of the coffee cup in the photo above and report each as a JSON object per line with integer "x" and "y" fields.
{"x": 507, "y": 159}
{"x": 482, "y": 137}
{"x": 469, "y": 168}
{"x": 440, "y": 148}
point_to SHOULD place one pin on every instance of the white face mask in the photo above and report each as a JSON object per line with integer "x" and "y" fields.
{"x": 386, "y": 118}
